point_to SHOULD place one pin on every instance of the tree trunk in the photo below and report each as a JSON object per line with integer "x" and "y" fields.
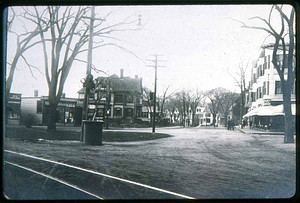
{"x": 289, "y": 124}
{"x": 52, "y": 118}
{"x": 52, "y": 108}
{"x": 193, "y": 119}
{"x": 214, "y": 119}
{"x": 225, "y": 121}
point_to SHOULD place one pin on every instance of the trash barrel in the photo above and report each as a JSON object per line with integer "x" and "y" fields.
{"x": 91, "y": 132}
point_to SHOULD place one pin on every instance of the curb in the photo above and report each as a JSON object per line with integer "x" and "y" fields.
{"x": 260, "y": 133}
{"x": 242, "y": 131}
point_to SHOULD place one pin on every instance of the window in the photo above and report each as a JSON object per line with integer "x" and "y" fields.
{"x": 278, "y": 89}
{"x": 81, "y": 96}
{"x": 264, "y": 89}
{"x": 39, "y": 107}
{"x": 260, "y": 92}
{"x": 145, "y": 114}
{"x": 207, "y": 115}
{"x": 138, "y": 112}
{"x": 294, "y": 88}
{"x": 119, "y": 98}
{"x": 138, "y": 100}
{"x": 129, "y": 112}
{"x": 253, "y": 96}
{"x": 118, "y": 111}
{"x": 91, "y": 97}
{"x": 129, "y": 98}
{"x": 100, "y": 112}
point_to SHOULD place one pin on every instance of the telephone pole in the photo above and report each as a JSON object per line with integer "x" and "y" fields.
{"x": 155, "y": 66}
{"x": 89, "y": 76}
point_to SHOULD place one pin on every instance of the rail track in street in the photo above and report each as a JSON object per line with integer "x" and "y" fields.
{"x": 111, "y": 187}
{"x": 201, "y": 163}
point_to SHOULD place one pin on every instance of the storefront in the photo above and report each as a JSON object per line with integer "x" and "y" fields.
{"x": 66, "y": 111}
{"x": 268, "y": 117}
{"x": 13, "y": 108}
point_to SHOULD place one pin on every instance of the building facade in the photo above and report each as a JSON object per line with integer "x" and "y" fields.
{"x": 204, "y": 117}
{"x": 265, "y": 90}
{"x": 36, "y": 110}
{"x": 114, "y": 97}
{"x": 13, "y": 108}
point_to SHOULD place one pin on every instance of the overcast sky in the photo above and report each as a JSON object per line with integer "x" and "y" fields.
{"x": 198, "y": 43}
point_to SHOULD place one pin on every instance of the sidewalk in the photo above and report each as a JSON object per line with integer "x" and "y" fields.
{"x": 247, "y": 130}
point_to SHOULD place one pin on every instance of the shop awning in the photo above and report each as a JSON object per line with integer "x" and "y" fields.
{"x": 269, "y": 111}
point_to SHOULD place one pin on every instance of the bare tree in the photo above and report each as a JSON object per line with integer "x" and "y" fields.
{"x": 195, "y": 99}
{"x": 227, "y": 101}
{"x": 24, "y": 41}
{"x": 147, "y": 100}
{"x": 240, "y": 79}
{"x": 215, "y": 96}
{"x": 164, "y": 98}
{"x": 182, "y": 105}
{"x": 68, "y": 37}
{"x": 284, "y": 43}
{"x": 171, "y": 106}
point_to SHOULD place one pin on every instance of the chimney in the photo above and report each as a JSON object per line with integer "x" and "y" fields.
{"x": 121, "y": 73}
{"x": 36, "y": 93}
{"x": 136, "y": 76}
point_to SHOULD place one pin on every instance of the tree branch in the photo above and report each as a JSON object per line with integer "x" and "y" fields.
{"x": 29, "y": 66}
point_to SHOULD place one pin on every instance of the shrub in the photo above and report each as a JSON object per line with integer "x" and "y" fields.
{"x": 28, "y": 120}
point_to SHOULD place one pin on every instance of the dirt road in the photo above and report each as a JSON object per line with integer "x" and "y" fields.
{"x": 204, "y": 163}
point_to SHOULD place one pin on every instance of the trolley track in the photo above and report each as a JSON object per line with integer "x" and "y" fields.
{"x": 99, "y": 185}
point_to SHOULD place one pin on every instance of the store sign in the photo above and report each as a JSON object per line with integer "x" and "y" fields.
{"x": 15, "y": 96}
{"x": 267, "y": 102}
{"x": 70, "y": 105}
{"x": 61, "y": 104}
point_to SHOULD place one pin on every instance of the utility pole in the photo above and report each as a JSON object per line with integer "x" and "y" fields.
{"x": 89, "y": 76}
{"x": 155, "y": 66}
{"x": 90, "y": 48}
{"x": 242, "y": 101}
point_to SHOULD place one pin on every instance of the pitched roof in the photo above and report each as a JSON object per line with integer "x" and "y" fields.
{"x": 81, "y": 91}
{"x": 124, "y": 84}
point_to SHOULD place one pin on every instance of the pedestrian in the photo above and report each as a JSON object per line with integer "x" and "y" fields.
{"x": 232, "y": 124}
{"x": 228, "y": 124}
{"x": 244, "y": 123}
{"x": 250, "y": 123}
